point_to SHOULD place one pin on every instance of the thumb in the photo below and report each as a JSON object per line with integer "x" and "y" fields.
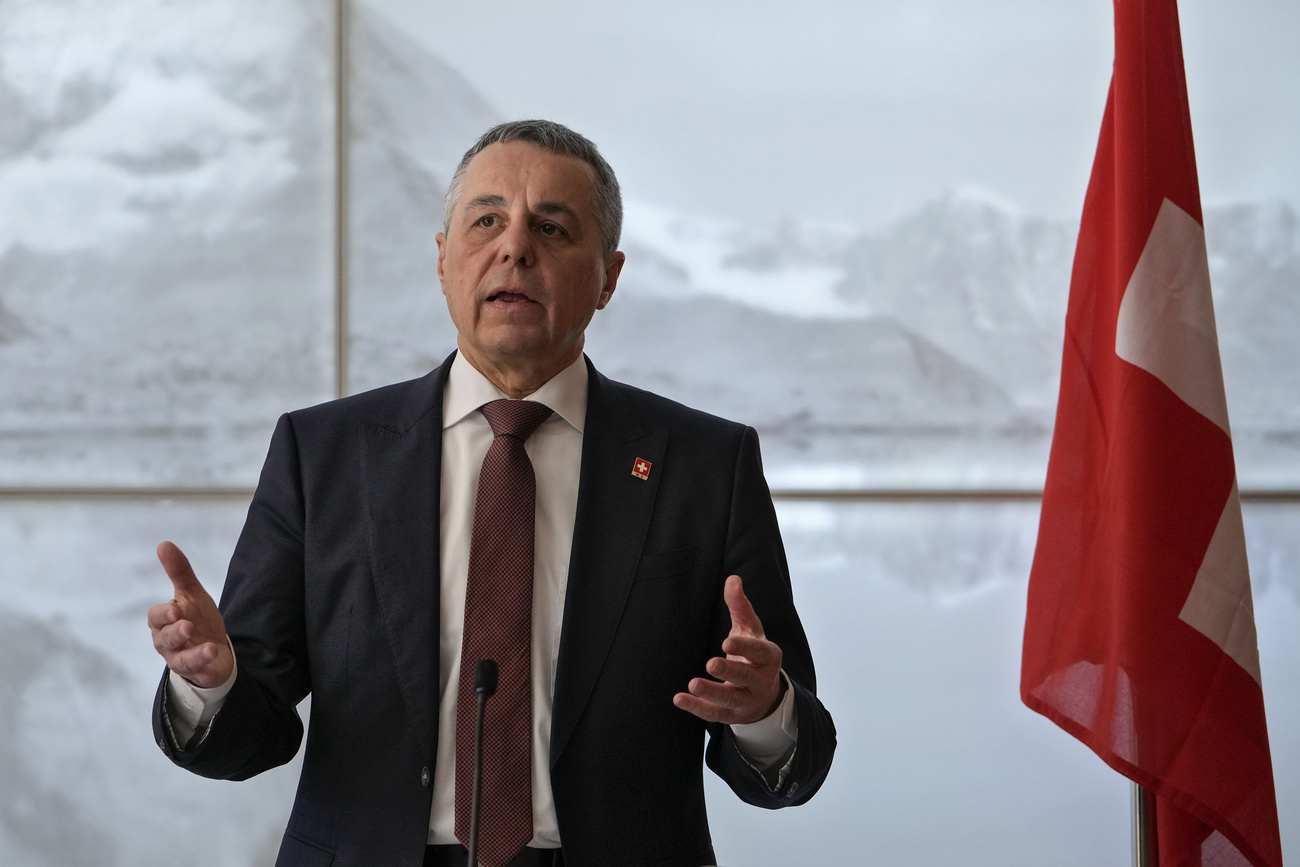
{"x": 743, "y": 617}
{"x": 178, "y": 568}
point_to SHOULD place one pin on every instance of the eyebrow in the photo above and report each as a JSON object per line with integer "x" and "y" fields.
{"x": 494, "y": 200}
{"x": 491, "y": 200}
{"x": 556, "y": 208}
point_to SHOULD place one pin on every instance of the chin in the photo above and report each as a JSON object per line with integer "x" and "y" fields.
{"x": 519, "y": 353}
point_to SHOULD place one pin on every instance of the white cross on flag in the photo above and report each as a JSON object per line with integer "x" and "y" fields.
{"x": 1140, "y": 633}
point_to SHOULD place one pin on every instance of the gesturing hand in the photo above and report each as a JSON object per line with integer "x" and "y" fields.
{"x": 751, "y": 686}
{"x": 188, "y": 631}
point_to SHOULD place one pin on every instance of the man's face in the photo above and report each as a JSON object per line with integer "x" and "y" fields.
{"x": 523, "y": 263}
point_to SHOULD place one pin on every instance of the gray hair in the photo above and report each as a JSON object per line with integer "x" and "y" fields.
{"x": 558, "y": 139}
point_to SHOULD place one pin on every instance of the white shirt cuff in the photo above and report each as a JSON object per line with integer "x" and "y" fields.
{"x": 191, "y": 708}
{"x": 769, "y": 743}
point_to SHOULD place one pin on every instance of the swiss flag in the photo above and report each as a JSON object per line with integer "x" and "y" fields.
{"x": 1140, "y": 634}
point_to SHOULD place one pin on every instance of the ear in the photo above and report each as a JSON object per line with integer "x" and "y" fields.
{"x": 613, "y": 267}
{"x": 441, "y": 239}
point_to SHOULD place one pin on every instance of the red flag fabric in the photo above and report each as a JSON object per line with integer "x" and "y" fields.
{"x": 1140, "y": 636}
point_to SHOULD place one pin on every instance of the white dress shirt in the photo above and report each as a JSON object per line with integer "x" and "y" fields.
{"x": 555, "y": 450}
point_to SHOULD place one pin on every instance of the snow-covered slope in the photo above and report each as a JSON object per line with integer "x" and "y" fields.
{"x": 166, "y": 203}
{"x": 166, "y": 289}
{"x": 413, "y": 117}
{"x": 165, "y": 199}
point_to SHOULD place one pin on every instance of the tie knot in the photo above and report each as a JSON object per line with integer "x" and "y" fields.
{"x": 515, "y": 418}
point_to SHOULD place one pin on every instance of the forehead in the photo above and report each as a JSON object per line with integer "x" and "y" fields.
{"x": 524, "y": 172}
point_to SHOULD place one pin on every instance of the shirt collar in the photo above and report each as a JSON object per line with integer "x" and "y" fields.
{"x": 468, "y": 389}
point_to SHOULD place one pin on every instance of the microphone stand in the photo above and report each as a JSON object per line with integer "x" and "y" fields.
{"x": 485, "y": 686}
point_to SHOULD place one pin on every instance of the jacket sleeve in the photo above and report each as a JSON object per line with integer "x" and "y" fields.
{"x": 258, "y": 726}
{"x": 755, "y": 553}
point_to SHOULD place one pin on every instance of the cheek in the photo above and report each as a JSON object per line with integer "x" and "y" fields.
{"x": 459, "y": 301}
{"x": 455, "y": 270}
{"x": 453, "y": 280}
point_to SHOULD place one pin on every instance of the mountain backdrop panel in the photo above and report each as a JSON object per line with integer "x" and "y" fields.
{"x": 166, "y": 203}
{"x": 165, "y": 237}
{"x": 1140, "y": 637}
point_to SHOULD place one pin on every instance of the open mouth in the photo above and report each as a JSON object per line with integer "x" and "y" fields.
{"x": 508, "y": 297}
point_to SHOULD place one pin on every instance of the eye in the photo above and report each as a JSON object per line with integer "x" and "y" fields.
{"x": 551, "y": 230}
{"x": 487, "y": 221}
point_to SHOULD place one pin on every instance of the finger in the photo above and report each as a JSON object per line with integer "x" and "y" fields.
{"x": 178, "y": 569}
{"x": 728, "y": 695}
{"x": 741, "y": 674}
{"x": 163, "y": 614}
{"x": 720, "y": 707}
{"x": 743, "y": 618}
{"x": 705, "y": 710}
{"x": 193, "y": 660}
{"x": 756, "y": 651}
{"x": 172, "y": 638}
{"x": 722, "y": 702}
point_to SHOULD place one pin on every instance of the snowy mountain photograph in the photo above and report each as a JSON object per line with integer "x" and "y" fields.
{"x": 168, "y": 191}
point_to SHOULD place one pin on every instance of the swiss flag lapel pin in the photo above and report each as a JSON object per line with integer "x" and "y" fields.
{"x": 641, "y": 468}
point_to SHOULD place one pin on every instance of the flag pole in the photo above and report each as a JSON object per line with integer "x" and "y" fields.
{"x": 342, "y": 186}
{"x": 1144, "y": 830}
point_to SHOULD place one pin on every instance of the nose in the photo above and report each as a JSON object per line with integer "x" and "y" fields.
{"x": 517, "y": 245}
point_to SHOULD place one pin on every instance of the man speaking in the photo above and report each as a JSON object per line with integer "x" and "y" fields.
{"x": 617, "y": 554}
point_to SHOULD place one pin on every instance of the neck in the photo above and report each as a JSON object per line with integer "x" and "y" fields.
{"x": 517, "y": 379}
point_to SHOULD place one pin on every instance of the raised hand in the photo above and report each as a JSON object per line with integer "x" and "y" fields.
{"x": 749, "y": 685}
{"x": 188, "y": 631}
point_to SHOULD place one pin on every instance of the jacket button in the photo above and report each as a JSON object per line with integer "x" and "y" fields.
{"x": 424, "y": 776}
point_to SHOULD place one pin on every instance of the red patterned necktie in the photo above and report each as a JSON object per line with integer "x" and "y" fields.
{"x": 498, "y": 625}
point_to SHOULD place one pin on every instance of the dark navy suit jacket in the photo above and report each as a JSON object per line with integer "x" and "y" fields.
{"x": 333, "y": 591}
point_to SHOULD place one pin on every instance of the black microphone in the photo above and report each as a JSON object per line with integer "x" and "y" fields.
{"x": 485, "y": 678}
{"x": 485, "y": 686}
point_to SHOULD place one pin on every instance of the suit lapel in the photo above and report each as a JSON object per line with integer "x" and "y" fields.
{"x": 402, "y": 472}
{"x": 613, "y": 517}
